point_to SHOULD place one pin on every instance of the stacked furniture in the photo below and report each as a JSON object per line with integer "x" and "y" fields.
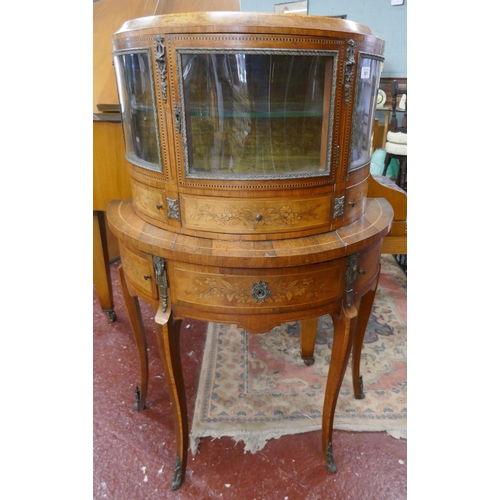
{"x": 248, "y": 140}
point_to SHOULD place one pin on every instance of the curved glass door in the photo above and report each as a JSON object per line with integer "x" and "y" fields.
{"x": 257, "y": 115}
{"x": 364, "y": 111}
{"x": 136, "y": 92}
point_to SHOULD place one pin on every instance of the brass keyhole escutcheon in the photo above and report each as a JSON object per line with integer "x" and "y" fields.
{"x": 260, "y": 291}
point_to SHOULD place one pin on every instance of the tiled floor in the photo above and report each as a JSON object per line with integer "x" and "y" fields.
{"x": 134, "y": 451}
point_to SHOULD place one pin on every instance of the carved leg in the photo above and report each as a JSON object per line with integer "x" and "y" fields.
{"x": 400, "y": 171}
{"x": 403, "y": 173}
{"x": 364, "y": 311}
{"x": 308, "y": 329}
{"x": 167, "y": 331}
{"x": 135, "y": 318}
{"x": 101, "y": 271}
{"x": 343, "y": 332}
{"x": 387, "y": 160}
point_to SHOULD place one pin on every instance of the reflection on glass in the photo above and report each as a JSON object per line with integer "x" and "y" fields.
{"x": 135, "y": 88}
{"x": 257, "y": 116}
{"x": 364, "y": 110}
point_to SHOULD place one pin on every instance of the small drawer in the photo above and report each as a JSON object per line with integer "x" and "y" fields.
{"x": 255, "y": 215}
{"x": 367, "y": 268}
{"x": 139, "y": 271}
{"x": 261, "y": 291}
{"x": 149, "y": 200}
{"x": 355, "y": 202}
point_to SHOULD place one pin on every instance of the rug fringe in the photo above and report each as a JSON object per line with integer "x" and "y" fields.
{"x": 398, "y": 434}
{"x": 255, "y": 442}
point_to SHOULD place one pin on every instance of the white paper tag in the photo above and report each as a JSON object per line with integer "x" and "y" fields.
{"x": 365, "y": 72}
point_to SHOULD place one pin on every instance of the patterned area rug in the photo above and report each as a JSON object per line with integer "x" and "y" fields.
{"x": 256, "y": 387}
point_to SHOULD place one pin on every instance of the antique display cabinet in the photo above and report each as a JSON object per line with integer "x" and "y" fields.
{"x": 248, "y": 138}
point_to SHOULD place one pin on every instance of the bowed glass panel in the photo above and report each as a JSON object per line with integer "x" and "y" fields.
{"x": 137, "y": 105}
{"x": 364, "y": 111}
{"x": 257, "y": 115}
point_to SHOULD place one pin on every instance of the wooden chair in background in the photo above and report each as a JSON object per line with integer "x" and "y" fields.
{"x": 396, "y": 144}
{"x": 395, "y": 242}
{"x": 375, "y": 134}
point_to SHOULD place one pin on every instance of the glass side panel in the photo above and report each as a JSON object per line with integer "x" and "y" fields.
{"x": 364, "y": 111}
{"x": 136, "y": 93}
{"x": 251, "y": 115}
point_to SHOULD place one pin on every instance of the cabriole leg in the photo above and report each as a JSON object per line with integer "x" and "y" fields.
{"x": 167, "y": 331}
{"x": 343, "y": 332}
{"x": 364, "y": 311}
{"x": 134, "y": 315}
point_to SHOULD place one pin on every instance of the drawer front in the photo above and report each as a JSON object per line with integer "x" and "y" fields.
{"x": 254, "y": 216}
{"x": 149, "y": 200}
{"x": 258, "y": 291}
{"x": 355, "y": 202}
{"x": 368, "y": 266}
{"x": 138, "y": 268}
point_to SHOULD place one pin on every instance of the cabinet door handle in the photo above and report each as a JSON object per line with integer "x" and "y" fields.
{"x": 352, "y": 203}
{"x": 147, "y": 277}
{"x": 362, "y": 271}
{"x": 159, "y": 206}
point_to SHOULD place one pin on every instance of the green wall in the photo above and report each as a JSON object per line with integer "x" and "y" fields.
{"x": 385, "y": 20}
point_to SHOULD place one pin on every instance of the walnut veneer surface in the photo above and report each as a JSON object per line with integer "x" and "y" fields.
{"x": 214, "y": 280}
{"x": 238, "y": 201}
{"x": 248, "y": 137}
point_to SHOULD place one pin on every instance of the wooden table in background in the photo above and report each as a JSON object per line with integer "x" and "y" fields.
{"x": 110, "y": 181}
{"x": 110, "y": 173}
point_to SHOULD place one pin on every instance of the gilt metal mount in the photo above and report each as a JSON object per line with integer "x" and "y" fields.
{"x": 137, "y": 404}
{"x": 349, "y": 70}
{"x": 350, "y": 276}
{"x": 361, "y": 388}
{"x": 260, "y": 291}
{"x": 177, "y": 117}
{"x": 338, "y": 209}
{"x": 330, "y": 463}
{"x": 177, "y": 479}
{"x": 173, "y": 209}
{"x": 161, "y": 65}
{"x": 161, "y": 280}
{"x": 110, "y": 313}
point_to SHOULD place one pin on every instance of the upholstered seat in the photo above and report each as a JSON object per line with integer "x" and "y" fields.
{"x": 396, "y": 143}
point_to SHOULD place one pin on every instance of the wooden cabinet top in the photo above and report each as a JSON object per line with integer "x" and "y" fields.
{"x": 245, "y": 22}
{"x": 248, "y": 126}
{"x": 367, "y": 230}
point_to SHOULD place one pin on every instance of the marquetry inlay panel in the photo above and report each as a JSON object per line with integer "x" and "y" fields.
{"x": 239, "y": 290}
{"x": 254, "y": 215}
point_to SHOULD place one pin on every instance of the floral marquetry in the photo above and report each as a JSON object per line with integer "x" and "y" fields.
{"x": 249, "y": 207}
{"x": 241, "y": 291}
{"x": 247, "y": 216}
{"x": 254, "y": 216}
{"x": 264, "y": 108}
